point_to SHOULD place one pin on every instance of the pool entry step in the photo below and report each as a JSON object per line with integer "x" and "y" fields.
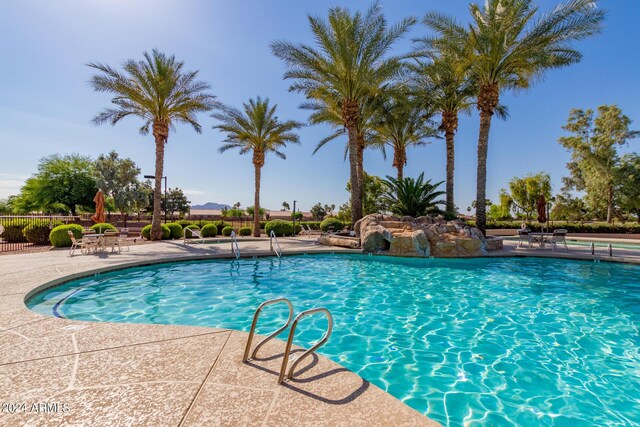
{"x": 285, "y": 359}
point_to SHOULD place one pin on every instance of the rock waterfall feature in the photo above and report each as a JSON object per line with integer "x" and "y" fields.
{"x": 419, "y": 237}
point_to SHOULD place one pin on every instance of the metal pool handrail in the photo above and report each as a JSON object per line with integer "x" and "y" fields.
{"x": 272, "y": 335}
{"x": 272, "y": 237}
{"x": 287, "y": 350}
{"x": 235, "y": 250}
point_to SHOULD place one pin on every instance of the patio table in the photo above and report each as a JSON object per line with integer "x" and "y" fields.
{"x": 541, "y": 238}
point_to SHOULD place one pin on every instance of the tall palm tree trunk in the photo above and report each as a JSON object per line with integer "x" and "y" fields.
{"x": 450, "y": 125}
{"x": 361, "y": 170}
{"x": 488, "y": 98}
{"x": 256, "y": 202}
{"x": 350, "y": 114}
{"x": 399, "y": 160}
{"x": 160, "y": 133}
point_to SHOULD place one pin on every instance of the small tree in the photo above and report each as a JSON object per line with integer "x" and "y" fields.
{"x": 318, "y": 212}
{"x": 117, "y": 178}
{"x": 526, "y": 191}
{"x": 62, "y": 181}
{"x": 628, "y": 184}
{"x": 261, "y": 211}
{"x": 176, "y": 201}
{"x": 286, "y": 206}
{"x": 593, "y": 145}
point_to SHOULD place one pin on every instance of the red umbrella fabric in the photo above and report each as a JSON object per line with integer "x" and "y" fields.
{"x": 541, "y": 206}
{"x": 98, "y": 217}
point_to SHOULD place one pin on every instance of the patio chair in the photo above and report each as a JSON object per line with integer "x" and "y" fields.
{"x": 80, "y": 244}
{"x": 559, "y": 236}
{"x": 524, "y": 236}
{"x": 124, "y": 240}
{"x": 111, "y": 239}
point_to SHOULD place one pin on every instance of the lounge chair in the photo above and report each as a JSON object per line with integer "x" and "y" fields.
{"x": 309, "y": 232}
{"x": 524, "y": 235}
{"x": 559, "y": 236}
{"x": 197, "y": 234}
{"x": 80, "y": 244}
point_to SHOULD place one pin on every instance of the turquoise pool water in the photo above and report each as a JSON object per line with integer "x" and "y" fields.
{"x": 510, "y": 341}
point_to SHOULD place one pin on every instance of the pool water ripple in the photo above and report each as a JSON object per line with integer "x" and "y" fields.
{"x": 469, "y": 342}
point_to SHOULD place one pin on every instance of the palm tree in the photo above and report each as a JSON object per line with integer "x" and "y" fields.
{"x": 256, "y": 129}
{"x": 329, "y": 112}
{"x": 445, "y": 81}
{"x": 401, "y": 123}
{"x": 508, "y": 49}
{"x": 412, "y": 197}
{"x": 161, "y": 93}
{"x": 349, "y": 64}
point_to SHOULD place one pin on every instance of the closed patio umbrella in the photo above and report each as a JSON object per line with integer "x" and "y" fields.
{"x": 541, "y": 206}
{"x": 98, "y": 217}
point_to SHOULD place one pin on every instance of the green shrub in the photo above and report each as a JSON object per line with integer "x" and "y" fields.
{"x": 102, "y": 226}
{"x": 202, "y": 222}
{"x": 210, "y": 230}
{"x": 13, "y": 231}
{"x": 187, "y": 231}
{"x": 245, "y": 231}
{"x": 331, "y": 222}
{"x": 183, "y": 222}
{"x": 221, "y": 225}
{"x": 146, "y": 232}
{"x": 38, "y": 233}
{"x": 227, "y": 231}
{"x": 279, "y": 227}
{"x": 59, "y": 236}
{"x": 176, "y": 230}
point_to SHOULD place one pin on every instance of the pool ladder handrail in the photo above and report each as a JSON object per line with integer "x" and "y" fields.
{"x": 236, "y": 250}
{"x": 277, "y": 250}
{"x": 247, "y": 348}
{"x": 287, "y": 350}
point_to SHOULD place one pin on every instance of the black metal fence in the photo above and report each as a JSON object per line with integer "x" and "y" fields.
{"x": 22, "y": 232}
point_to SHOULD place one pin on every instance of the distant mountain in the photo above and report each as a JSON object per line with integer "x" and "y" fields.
{"x": 209, "y": 206}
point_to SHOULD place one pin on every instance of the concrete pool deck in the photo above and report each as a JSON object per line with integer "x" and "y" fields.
{"x": 60, "y": 372}
{"x": 83, "y": 373}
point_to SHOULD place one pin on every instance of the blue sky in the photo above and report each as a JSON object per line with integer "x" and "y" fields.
{"x": 46, "y": 104}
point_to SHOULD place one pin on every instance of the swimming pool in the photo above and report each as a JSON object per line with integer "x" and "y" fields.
{"x": 508, "y": 341}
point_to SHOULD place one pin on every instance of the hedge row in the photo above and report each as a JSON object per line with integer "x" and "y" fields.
{"x": 571, "y": 227}
{"x": 23, "y": 231}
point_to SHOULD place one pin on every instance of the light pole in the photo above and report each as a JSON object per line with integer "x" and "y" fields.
{"x": 294, "y": 217}
{"x": 165, "y": 194}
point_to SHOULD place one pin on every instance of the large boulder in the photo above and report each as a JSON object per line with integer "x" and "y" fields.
{"x": 412, "y": 244}
{"x": 375, "y": 238}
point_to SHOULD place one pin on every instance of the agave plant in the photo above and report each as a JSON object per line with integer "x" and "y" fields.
{"x": 412, "y": 197}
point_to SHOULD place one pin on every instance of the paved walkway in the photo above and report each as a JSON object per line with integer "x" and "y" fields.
{"x": 61, "y": 372}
